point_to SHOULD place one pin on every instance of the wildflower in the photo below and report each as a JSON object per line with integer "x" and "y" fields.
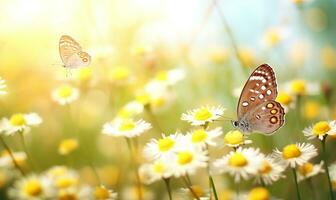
{"x": 203, "y": 115}
{"x": 328, "y": 57}
{"x": 125, "y": 127}
{"x": 31, "y": 187}
{"x": 308, "y": 170}
{"x": 67, "y": 180}
{"x": 311, "y": 109}
{"x": 235, "y": 139}
{"x": 198, "y": 190}
{"x": 286, "y": 99}
{"x": 269, "y": 171}
{"x": 273, "y": 36}
{"x": 119, "y": 74}
{"x": 19, "y": 123}
{"x": 259, "y": 193}
{"x": 65, "y": 94}
{"x": 204, "y": 137}
{"x": 156, "y": 149}
{"x": 302, "y": 87}
{"x": 6, "y": 160}
{"x": 2, "y": 86}
{"x": 85, "y": 75}
{"x": 159, "y": 169}
{"x": 102, "y": 193}
{"x": 242, "y": 163}
{"x": 320, "y": 130}
{"x": 57, "y": 171}
{"x": 131, "y": 109}
{"x": 170, "y": 77}
{"x": 295, "y": 154}
{"x": 67, "y": 146}
{"x": 247, "y": 56}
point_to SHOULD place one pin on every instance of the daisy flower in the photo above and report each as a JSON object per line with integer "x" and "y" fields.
{"x": 241, "y": 164}
{"x": 125, "y": 127}
{"x": 19, "y": 123}
{"x": 6, "y": 160}
{"x": 198, "y": 190}
{"x": 332, "y": 171}
{"x": 320, "y": 130}
{"x": 65, "y": 94}
{"x": 57, "y": 171}
{"x": 286, "y": 99}
{"x": 257, "y": 193}
{"x": 102, "y": 193}
{"x": 131, "y": 109}
{"x": 187, "y": 159}
{"x": 235, "y": 139}
{"x": 119, "y": 74}
{"x": 2, "y": 86}
{"x": 159, "y": 148}
{"x": 269, "y": 171}
{"x": 80, "y": 192}
{"x": 30, "y": 188}
{"x": 67, "y": 146}
{"x": 170, "y": 77}
{"x": 308, "y": 170}
{"x": 203, "y": 136}
{"x": 299, "y": 87}
{"x": 274, "y": 35}
{"x": 158, "y": 170}
{"x": 203, "y": 115}
{"x": 295, "y": 154}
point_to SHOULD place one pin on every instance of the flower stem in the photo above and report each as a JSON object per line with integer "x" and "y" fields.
{"x": 327, "y": 169}
{"x": 296, "y": 184}
{"x": 167, "y": 183}
{"x": 310, "y": 183}
{"x": 25, "y": 149}
{"x": 153, "y": 119}
{"x": 137, "y": 176}
{"x": 12, "y": 156}
{"x": 213, "y": 187}
{"x": 190, "y": 188}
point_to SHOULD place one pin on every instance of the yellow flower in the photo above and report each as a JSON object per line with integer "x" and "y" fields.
{"x": 184, "y": 158}
{"x": 272, "y": 37}
{"x": 247, "y": 57}
{"x": 328, "y": 57}
{"x": 320, "y": 130}
{"x": 85, "y": 74}
{"x": 311, "y": 109}
{"x": 235, "y": 138}
{"x": 291, "y": 151}
{"x": 238, "y": 160}
{"x": 284, "y": 98}
{"x": 33, "y": 188}
{"x": 119, "y": 73}
{"x": 306, "y": 168}
{"x": 165, "y": 144}
{"x": 17, "y": 120}
{"x": 298, "y": 87}
{"x": 259, "y": 193}
{"x": 67, "y": 146}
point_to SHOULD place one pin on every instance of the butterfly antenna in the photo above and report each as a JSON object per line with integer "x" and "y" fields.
{"x": 226, "y": 118}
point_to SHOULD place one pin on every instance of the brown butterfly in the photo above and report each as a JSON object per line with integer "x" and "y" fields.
{"x": 257, "y": 109}
{"x": 71, "y": 53}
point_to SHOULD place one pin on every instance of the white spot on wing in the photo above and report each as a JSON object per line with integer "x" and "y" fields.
{"x": 269, "y": 92}
{"x": 263, "y": 87}
{"x": 261, "y": 96}
{"x": 245, "y": 103}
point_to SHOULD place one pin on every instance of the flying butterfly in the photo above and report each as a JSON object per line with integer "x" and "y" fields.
{"x": 257, "y": 110}
{"x": 71, "y": 53}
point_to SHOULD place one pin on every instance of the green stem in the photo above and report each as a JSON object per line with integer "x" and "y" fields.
{"x": 326, "y": 168}
{"x": 12, "y": 156}
{"x": 190, "y": 188}
{"x": 296, "y": 184}
{"x": 25, "y": 149}
{"x": 153, "y": 119}
{"x": 213, "y": 187}
{"x": 310, "y": 183}
{"x": 167, "y": 183}
{"x": 137, "y": 176}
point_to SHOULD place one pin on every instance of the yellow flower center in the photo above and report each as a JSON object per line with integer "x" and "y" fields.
{"x": 265, "y": 167}
{"x": 202, "y": 114}
{"x": 184, "y": 158}
{"x": 165, "y": 144}
{"x": 127, "y": 125}
{"x": 85, "y": 74}
{"x": 162, "y": 76}
{"x": 67, "y": 146}
{"x": 234, "y": 137}
{"x": 143, "y": 98}
{"x": 65, "y": 91}
{"x": 238, "y": 160}
{"x": 65, "y": 182}
{"x": 67, "y": 196}
{"x": 298, "y": 87}
{"x": 247, "y": 56}
{"x": 311, "y": 109}
{"x": 291, "y": 151}
{"x": 33, "y": 188}
{"x": 321, "y": 128}
{"x": 158, "y": 102}
{"x": 119, "y": 73}
{"x": 272, "y": 37}
{"x": 306, "y": 168}
{"x": 259, "y": 193}
{"x": 159, "y": 167}
{"x": 284, "y": 98}
{"x": 199, "y": 136}
{"x": 101, "y": 193}
{"x": 198, "y": 190}
{"x": 17, "y": 120}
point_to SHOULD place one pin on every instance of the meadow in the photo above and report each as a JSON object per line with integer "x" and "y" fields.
{"x": 150, "y": 117}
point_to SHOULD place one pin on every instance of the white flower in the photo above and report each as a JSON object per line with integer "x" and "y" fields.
{"x": 19, "y": 123}
{"x": 187, "y": 159}
{"x": 170, "y": 77}
{"x": 125, "y": 127}
{"x": 2, "y": 86}
{"x": 203, "y": 136}
{"x": 235, "y": 139}
{"x": 308, "y": 170}
{"x": 320, "y": 130}
{"x": 242, "y": 163}
{"x": 65, "y": 94}
{"x": 102, "y": 193}
{"x": 6, "y": 159}
{"x": 131, "y": 109}
{"x": 159, "y": 169}
{"x": 203, "y": 115}
{"x": 295, "y": 154}
{"x": 302, "y": 87}
{"x": 31, "y": 188}
{"x": 156, "y": 149}
{"x": 269, "y": 171}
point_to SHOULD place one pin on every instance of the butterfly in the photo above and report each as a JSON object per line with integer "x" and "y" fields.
{"x": 257, "y": 110}
{"x": 71, "y": 53}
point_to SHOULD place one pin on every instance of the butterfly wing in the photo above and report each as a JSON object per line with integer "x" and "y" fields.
{"x": 260, "y": 87}
{"x": 268, "y": 117}
{"x": 71, "y": 53}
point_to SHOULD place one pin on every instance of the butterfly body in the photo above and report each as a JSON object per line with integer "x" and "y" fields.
{"x": 71, "y": 53}
{"x": 257, "y": 109}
